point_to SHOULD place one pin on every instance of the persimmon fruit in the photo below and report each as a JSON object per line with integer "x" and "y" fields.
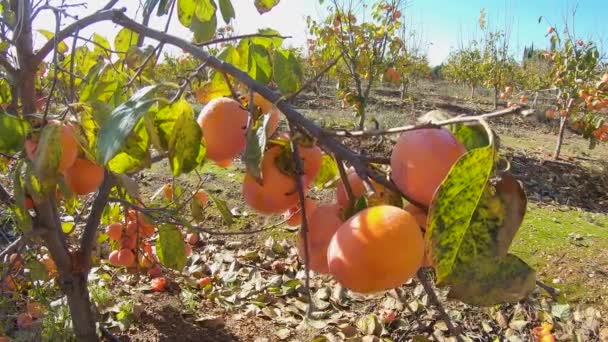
{"x": 420, "y": 215}
{"x": 294, "y": 214}
{"x": 84, "y": 176}
{"x": 202, "y": 197}
{"x": 421, "y": 159}
{"x": 192, "y": 238}
{"x": 126, "y": 257}
{"x": 158, "y": 284}
{"x": 223, "y": 122}
{"x": 278, "y": 191}
{"x": 69, "y": 146}
{"x": 357, "y": 187}
{"x": 377, "y": 249}
{"x": 323, "y": 223}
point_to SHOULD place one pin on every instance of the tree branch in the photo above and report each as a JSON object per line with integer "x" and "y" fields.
{"x": 6, "y": 197}
{"x": 4, "y": 62}
{"x": 251, "y": 35}
{"x": 88, "y": 237}
{"x": 459, "y": 119}
{"x": 72, "y": 28}
{"x": 316, "y": 78}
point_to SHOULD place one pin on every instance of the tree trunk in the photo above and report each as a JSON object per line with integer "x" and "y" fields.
{"x": 72, "y": 281}
{"x": 361, "y": 113}
{"x": 403, "y": 90}
{"x": 560, "y": 137}
{"x": 495, "y": 97}
{"x": 74, "y": 286}
{"x": 472, "y": 92}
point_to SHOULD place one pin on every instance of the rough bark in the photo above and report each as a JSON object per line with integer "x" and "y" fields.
{"x": 560, "y": 137}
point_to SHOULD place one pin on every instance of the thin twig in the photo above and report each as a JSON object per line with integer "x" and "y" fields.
{"x": 141, "y": 68}
{"x": 345, "y": 182}
{"x": 315, "y": 78}
{"x": 550, "y": 290}
{"x": 88, "y": 236}
{"x": 232, "y": 38}
{"x": 428, "y": 288}
{"x": 229, "y": 83}
{"x": 304, "y": 225}
{"x": 459, "y": 119}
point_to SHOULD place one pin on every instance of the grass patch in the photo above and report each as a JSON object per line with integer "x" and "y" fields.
{"x": 565, "y": 245}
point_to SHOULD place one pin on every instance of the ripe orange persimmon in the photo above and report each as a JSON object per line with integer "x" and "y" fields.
{"x": 35, "y": 309}
{"x": 204, "y": 281}
{"x": 155, "y": 271}
{"x": 357, "y": 186}
{"x": 523, "y": 99}
{"x": 15, "y": 260}
{"x": 158, "y": 284}
{"x": 114, "y": 231}
{"x": 192, "y": 238}
{"x": 168, "y": 191}
{"x": 311, "y": 157}
{"x": 419, "y": 214}
{"x": 29, "y": 202}
{"x": 113, "y": 258}
{"x": 421, "y": 159}
{"x": 278, "y": 191}
{"x": 49, "y": 263}
{"x": 84, "y": 176}
{"x": 128, "y": 242}
{"x": 131, "y": 228}
{"x": 126, "y": 257}
{"x": 146, "y": 230}
{"x": 294, "y": 214}
{"x": 223, "y": 122}
{"x": 202, "y": 197}
{"x": 508, "y": 90}
{"x": 377, "y": 249}
{"x": 324, "y": 222}
{"x": 69, "y": 146}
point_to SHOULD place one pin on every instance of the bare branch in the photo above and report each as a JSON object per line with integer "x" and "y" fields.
{"x": 5, "y": 196}
{"x": 88, "y": 236}
{"x": 72, "y": 28}
{"x": 232, "y": 38}
{"x": 435, "y": 301}
{"x": 316, "y": 78}
{"x": 4, "y": 62}
{"x": 109, "y": 5}
{"x": 459, "y": 119}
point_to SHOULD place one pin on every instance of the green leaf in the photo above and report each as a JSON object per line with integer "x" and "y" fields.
{"x": 471, "y": 136}
{"x": 48, "y": 156}
{"x": 227, "y": 10}
{"x": 205, "y": 10}
{"x": 135, "y": 154}
{"x": 287, "y": 72}
{"x": 170, "y": 247}
{"x": 254, "y": 149}
{"x": 124, "y": 39}
{"x": 185, "y": 11}
{"x": 103, "y": 46}
{"x": 23, "y": 219}
{"x": 203, "y": 30}
{"x": 328, "y": 171}
{"x": 268, "y": 42}
{"x": 260, "y": 68}
{"x": 163, "y": 7}
{"x": 223, "y": 208}
{"x": 101, "y": 84}
{"x": 62, "y": 47}
{"x": 453, "y": 207}
{"x": 67, "y": 227}
{"x": 215, "y": 88}
{"x": 37, "y": 270}
{"x": 492, "y": 281}
{"x": 181, "y": 134}
{"x": 121, "y": 122}
{"x": 13, "y": 131}
{"x": 264, "y": 6}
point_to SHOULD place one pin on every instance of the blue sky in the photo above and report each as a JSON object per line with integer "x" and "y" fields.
{"x": 442, "y": 23}
{"x": 447, "y": 23}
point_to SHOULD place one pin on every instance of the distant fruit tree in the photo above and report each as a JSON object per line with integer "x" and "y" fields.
{"x": 82, "y": 116}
